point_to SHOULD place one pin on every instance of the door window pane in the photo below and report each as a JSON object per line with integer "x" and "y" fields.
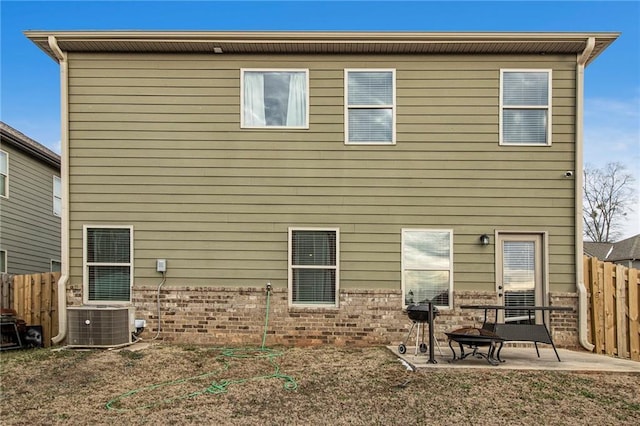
{"x": 519, "y": 275}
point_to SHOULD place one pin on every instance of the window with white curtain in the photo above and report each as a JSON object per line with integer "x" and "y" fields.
{"x": 313, "y": 267}
{"x": 427, "y": 266}
{"x": 275, "y": 98}
{"x": 108, "y": 263}
{"x": 525, "y": 107}
{"x": 370, "y": 97}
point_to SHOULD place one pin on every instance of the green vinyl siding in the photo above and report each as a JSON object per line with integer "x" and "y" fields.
{"x": 29, "y": 230}
{"x": 156, "y": 143}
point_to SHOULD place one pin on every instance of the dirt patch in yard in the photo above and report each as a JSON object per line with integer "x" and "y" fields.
{"x": 170, "y": 384}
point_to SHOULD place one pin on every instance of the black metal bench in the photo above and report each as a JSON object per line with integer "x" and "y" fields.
{"x": 520, "y": 332}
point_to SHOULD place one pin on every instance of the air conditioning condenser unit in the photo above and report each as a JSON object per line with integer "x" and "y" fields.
{"x": 99, "y": 326}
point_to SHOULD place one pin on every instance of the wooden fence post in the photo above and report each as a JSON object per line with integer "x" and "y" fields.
{"x": 634, "y": 319}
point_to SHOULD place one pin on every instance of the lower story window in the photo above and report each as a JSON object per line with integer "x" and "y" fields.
{"x": 108, "y": 265}
{"x": 313, "y": 267}
{"x": 427, "y": 266}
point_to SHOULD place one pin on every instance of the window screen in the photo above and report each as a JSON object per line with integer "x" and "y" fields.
{"x": 313, "y": 266}
{"x": 427, "y": 266}
{"x": 108, "y": 264}
{"x": 370, "y": 106}
{"x": 525, "y": 107}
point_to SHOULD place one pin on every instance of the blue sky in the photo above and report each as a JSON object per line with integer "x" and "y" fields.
{"x": 30, "y": 82}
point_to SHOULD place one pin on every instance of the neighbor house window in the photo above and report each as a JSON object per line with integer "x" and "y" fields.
{"x": 525, "y": 107}
{"x": 108, "y": 264}
{"x": 4, "y": 174}
{"x": 56, "y": 266}
{"x": 275, "y": 98}
{"x": 57, "y": 196}
{"x": 370, "y": 97}
{"x": 313, "y": 267}
{"x": 3, "y": 261}
{"x": 427, "y": 266}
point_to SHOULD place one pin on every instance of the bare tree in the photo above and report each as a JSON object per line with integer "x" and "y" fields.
{"x": 607, "y": 198}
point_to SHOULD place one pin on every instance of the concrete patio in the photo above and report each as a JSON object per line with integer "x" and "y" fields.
{"x": 522, "y": 358}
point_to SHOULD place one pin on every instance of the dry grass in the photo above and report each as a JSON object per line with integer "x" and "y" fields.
{"x": 334, "y": 386}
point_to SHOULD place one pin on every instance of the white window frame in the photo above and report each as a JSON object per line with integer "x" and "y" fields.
{"x": 267, "y": 70}
{"x": 291, "y": 267}
{"x": 405, "y": 268}
{"x": 347, "y": 107}
{"x": 537, "y": 107}
{"x": 58, "y": 197}
{"x": 3, "y": 255}
{"x": 6, "y": 177}
{"x": 86, "y": 265}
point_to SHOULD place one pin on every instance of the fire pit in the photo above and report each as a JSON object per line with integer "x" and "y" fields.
{"x": 474, "y": 338}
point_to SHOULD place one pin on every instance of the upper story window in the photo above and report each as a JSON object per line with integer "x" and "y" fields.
{"x": 57, "y": 196}
{"x": 370, "y": 106}
{"x": 4, "y": 174}
{"x": 274, "y": 98}
{"x": 427, "y": 266}
{"x": 525, "y": 107}
{"x": 108, "y": 263}
{"x": 313, "y": 267}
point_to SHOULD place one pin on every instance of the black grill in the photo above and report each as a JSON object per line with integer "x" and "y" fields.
{"x": 420, "y": 313}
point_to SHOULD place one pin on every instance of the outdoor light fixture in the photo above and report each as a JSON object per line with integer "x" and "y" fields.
{"x": 484, "y": 239}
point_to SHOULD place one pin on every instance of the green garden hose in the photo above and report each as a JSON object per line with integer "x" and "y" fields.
{"x": 221, "y": 386}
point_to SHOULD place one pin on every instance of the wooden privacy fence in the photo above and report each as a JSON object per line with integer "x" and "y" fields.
{"x": 614, "y": 296}
{"x": 35, "y": 300}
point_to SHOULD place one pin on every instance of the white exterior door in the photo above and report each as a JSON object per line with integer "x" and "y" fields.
{"x": 520, "y": 273}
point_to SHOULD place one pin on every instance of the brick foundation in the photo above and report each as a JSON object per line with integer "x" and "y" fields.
{"x": 232, "y": 316}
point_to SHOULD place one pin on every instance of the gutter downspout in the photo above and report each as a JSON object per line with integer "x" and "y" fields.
{"x": 582, "y": 291}
{"x": 64, "y": 171}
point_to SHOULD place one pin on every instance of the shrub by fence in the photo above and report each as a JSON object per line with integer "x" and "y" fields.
{"x": 35, "y": 300}
{"x": 614, "y": 292}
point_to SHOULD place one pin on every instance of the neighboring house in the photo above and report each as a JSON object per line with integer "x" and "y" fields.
{"x": 625, "y": 252}
{"x": 30, "y": 205}
{"x": 354, "y": 172}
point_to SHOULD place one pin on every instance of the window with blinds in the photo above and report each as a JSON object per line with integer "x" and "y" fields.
{"x": 313, "y": 267}
{"x": 525, "y": 111}
{"x": 427, "y": 266}
{"x": 519, "y": 278}
{"x": 370, "y": 106}
{"x": 108, "y": 263}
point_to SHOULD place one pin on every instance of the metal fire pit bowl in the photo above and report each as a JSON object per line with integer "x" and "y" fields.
{"x": 420, "y": 313}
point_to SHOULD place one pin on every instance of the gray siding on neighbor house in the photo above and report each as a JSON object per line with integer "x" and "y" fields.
{"x": 155, "y": 142}
{"x": 29, "y": 231}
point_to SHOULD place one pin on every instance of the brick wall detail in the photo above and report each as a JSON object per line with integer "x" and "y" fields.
{"x": 233, "y": 316}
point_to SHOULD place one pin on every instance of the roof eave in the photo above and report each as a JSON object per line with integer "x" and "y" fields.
{"x": 300, "y": 42}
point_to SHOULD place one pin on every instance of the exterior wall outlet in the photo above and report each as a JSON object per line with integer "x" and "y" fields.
{"x": 161, "y": 265}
